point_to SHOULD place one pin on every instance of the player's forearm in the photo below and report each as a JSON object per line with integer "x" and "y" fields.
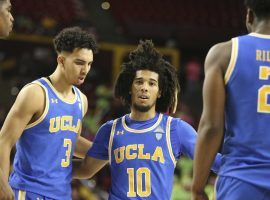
{"x": 78, "y": 169}
{"x": 5, "y": 161}
{"x": 208, "y": 143}
{"x": 87, "y": 167}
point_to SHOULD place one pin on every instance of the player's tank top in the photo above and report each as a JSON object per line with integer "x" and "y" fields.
{"x": 42, "y": 163}
{"x": 246, "y": 150}
{"x": 141, "y": 158}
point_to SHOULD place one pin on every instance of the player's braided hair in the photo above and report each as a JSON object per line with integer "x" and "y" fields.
{"x": 146, "y": 57}
{"x": 70, "y": 38}
{"x": 261, "y": 8}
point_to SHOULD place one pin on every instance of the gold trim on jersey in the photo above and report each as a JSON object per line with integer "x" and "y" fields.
{"x": 215, "y": 189}
{"x": 168, "y": 139}
{"x": 82, "y": 101}
{"x": 111, "y": 139}
{"x": 142, "y": 130}
{"x": 21, "y": 195}
{"x": 233, "y": 59}
{"x": 46, "y": 106}
{"x": 59, "y": 95}
{"x": 260, "y": 35}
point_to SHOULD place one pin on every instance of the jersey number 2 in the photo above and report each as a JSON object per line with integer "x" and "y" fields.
{"x": 68, "y": 144}
{"x": 143, "y": 174}
{"x": 264, "y": 91}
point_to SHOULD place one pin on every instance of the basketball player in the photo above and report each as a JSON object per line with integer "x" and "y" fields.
{"x": 236, "y": 96}
{"x": 6, "y": 19}
{"x": 143, "y": 146}
{"x": 45, "y": 121}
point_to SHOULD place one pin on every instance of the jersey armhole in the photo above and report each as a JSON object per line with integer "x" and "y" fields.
{"x": 231, "y": 66}
{"x": 168, "y": 139}
{"x": 80, "y": 96}
{"x": 45, "y": 109}
{"x": 111, "y": 140}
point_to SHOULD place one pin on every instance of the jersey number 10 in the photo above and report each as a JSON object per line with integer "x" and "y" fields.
{"x": 143, "y": 175}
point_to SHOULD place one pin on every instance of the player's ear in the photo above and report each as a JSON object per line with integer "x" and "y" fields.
{"x": 159, "y": 94}
{"x": 250, "y": 16}
{"x": 60, "y": 59}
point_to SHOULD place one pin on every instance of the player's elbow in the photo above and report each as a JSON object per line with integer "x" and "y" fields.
{"x": 210, "y": 129}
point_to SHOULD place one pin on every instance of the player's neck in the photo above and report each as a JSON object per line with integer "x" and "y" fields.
{"x": 60, "y": 84}
{"x": 142, "y": 116}
{"x": 263, "y": 27}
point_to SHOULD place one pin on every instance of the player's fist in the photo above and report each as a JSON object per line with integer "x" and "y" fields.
{"x": 199, "y": 196}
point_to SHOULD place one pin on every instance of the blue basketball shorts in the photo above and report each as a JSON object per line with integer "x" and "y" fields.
{"x": 25, "y": 195}
{"x": 228, "y": 188}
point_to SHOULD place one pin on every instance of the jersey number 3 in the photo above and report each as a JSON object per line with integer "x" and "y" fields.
{"x": 143, "y": 182}
{"x": 264, "y": 91}
{"x": 68, "y": 144}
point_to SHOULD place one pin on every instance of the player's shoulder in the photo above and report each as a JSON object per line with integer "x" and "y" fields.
{"x": 31, "y": 98}
{"x": 219, "y": 55}
{"x": 32, "y": 90}
{"x": 180, "y": 126}
{"x": 107, "y": 125}
{"x": 220, "y": 49}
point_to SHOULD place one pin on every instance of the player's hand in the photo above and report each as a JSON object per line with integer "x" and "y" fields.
{"x": 199, "y": 196}
{"x": 6, "y": 193}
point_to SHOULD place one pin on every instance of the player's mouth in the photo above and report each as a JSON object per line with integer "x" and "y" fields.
{"x": 143, "y": 97}
{"x": 81, "y": 78}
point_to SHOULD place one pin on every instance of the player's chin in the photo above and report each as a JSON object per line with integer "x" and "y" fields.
{"x": 4, "y": 34}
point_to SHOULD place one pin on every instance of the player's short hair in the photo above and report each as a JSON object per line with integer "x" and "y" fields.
{"x": 146, "y": 57}
{"x": 261, "y": 8}
{"x": 74, "y": 37}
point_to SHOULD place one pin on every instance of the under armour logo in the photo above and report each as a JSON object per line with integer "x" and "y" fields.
{"x": 120, "y": 132}
{"x": 54, "y": 100}
{"x": 39, "y": 198}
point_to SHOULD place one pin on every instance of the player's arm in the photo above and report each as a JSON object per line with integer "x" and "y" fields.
{"x": 82, "y": 144}
{"x": 211, "y": 127}
{"x": 187, "y": 138}
{"x": 30, "y": 100}
{"x": 88, "y": 167}
{"x": 97, "y": 155}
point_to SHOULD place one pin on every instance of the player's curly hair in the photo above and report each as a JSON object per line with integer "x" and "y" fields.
{"x": 146, "y": 57}
{"x": 261, "y": 8}
{"x": 74, "y": 37}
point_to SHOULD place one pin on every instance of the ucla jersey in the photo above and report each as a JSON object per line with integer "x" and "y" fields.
{"x": 246, "y": 150}
{"x": 142, "y": 162}
{"x": 42, "y": 163}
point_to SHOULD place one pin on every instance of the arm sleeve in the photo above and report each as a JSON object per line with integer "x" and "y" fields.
{"x": 184, "y": 140}
{"x": 187, "y": 138}
{"x": 100, "y": 145}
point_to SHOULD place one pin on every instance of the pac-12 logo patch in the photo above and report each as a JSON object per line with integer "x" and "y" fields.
{"x": 159, "y": 133}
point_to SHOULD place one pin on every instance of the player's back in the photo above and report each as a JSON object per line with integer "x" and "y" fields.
{"x": 246, "y": 150}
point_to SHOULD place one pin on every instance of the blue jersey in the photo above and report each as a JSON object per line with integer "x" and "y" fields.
{"x": 143, "y": 155}
{"x": 246, "y": 147}
{"x": 42, "y": 163}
